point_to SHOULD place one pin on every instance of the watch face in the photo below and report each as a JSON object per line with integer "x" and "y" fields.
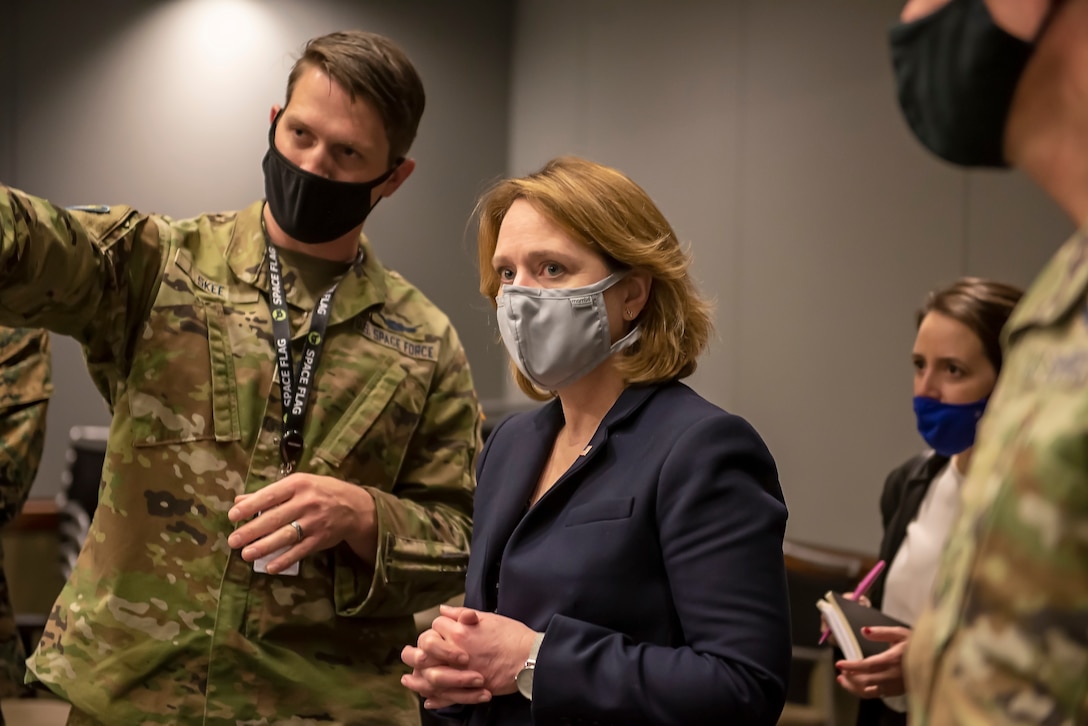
{"x": 524, "y": 681}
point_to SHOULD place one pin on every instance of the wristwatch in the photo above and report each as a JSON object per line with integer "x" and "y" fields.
{"x": 524, "y": 678}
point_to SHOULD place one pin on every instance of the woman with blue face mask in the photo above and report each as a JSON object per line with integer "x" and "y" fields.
{"x": 956, "y": 357}
{"x": 626, "y": 560}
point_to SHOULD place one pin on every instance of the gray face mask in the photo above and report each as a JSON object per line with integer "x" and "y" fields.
{"x": 556, "y": 336}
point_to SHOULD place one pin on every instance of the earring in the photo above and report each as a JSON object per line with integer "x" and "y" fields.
{"x": 627, "y": 314}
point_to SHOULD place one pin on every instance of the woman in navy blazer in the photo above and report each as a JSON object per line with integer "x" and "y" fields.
{"x": 626, "y": 562}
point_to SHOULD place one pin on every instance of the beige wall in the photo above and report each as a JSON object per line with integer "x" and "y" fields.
{"x": 767, "y": 130}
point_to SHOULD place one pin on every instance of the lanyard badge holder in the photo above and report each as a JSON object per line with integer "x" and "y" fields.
{"x": 295, "y": 386}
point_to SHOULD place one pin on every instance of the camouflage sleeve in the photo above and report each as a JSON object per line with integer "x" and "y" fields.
{"x": 25, "y": 387}
{"x": 425, "y": 524}
{"x": 89, "y": 273}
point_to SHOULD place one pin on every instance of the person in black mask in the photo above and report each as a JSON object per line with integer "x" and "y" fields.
{"x": 289, "y": 473}
{"x": 957, "y": 358}
{"x": 1003, "y": 638}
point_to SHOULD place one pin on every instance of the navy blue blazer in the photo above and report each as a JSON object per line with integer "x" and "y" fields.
{"x": 654, "y": 566}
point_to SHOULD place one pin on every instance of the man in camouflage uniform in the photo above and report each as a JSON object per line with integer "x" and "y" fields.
{"x": 1005, "y": 640}
{"x": 183, "y": 608}
{"x": 25, "y": 388}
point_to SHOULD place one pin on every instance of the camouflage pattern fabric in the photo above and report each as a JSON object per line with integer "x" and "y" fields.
{"x": 77, "y": 718}
{"x": 161, "y": 622}
{"x": 1005, "y": 640}
{"x": 25, "y": 388}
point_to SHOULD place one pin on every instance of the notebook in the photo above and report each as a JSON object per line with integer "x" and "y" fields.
{"x": 846, "y": 618}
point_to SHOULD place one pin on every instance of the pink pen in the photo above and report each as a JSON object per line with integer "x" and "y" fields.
{"x": 861, "y": 589}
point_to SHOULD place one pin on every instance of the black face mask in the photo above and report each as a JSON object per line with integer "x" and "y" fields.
{"x": 957, "y": 71}
{"x": 309, "y": 207}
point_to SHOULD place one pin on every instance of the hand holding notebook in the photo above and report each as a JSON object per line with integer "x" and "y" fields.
{"x": 846, "y": 618}
{"x": 859, "y": 591}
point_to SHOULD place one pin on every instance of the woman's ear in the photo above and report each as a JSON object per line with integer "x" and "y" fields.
{"x": 637, "y": 292}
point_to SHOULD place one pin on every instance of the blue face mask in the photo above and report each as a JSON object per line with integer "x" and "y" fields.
{"x": 948, "y": 427}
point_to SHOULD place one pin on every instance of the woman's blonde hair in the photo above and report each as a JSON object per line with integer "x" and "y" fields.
{"x": 615, "y": 218}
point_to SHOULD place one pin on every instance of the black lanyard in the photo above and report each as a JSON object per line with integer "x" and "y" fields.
{"x": 295, "y": 388}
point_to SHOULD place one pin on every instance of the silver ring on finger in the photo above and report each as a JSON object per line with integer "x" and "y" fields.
{"x": 298, "y": 529}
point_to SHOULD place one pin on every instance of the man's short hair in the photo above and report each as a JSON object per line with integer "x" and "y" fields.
{"x": 374, "y": 68}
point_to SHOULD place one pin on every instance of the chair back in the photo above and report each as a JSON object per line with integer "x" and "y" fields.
{"x": 811, "y": 570}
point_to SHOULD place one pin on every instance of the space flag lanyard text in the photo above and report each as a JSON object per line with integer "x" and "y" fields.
{"x": 295, "y": 389}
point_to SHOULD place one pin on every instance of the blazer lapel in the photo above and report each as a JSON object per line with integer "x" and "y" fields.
{"x": 629, "y": 402}
{"x": 519, "y": 474}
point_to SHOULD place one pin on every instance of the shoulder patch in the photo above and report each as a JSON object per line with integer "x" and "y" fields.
{"x": 90, "y": 208}
{"x": 422, "y": 350}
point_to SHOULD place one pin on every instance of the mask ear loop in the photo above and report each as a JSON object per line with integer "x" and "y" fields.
{"x": 383, "y": 179}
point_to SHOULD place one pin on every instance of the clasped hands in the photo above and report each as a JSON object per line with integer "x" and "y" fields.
{"x": 328, "y": 511}
{"x": 466, "y": 657}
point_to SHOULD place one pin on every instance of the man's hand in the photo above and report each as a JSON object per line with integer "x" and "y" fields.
{"x": 328, "y": 511}
{"x": 877, "y": 676}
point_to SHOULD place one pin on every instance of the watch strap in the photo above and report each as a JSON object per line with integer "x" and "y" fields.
{"x": 524, "y": 678}
{"x": 535, "y": 649}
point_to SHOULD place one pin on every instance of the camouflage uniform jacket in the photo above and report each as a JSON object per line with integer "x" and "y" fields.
{"x": 1005, "y": 640}
{"x": 161, "y": 622}
{"x": 25, "y": 388}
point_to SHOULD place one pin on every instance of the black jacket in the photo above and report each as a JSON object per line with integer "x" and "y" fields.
{"x": 904, "y": 490}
